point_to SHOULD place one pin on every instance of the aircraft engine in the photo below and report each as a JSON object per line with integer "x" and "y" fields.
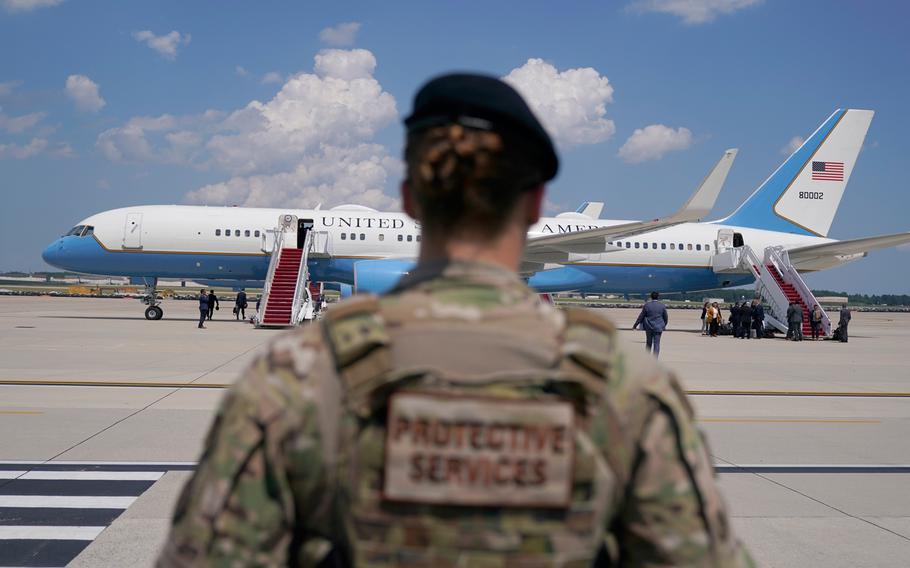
{"x": 379, "y": 276}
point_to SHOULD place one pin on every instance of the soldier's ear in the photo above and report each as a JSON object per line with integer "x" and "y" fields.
{"x": 534, "y": 204}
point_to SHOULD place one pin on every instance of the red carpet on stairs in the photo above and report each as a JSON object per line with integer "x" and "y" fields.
{"x": 284, "y": 282}
{"x": 792, "y": 296}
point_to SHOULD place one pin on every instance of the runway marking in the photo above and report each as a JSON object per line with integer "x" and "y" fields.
{"x": 692, "y": 392}
{"x": 83, "y": 475}
{"x": 788, "y": 421}
{"x": 49, "y": 533}
{"x": 66, "y": 501}
{"x": 849, "y": 394}
{"x": 21, "y": 412}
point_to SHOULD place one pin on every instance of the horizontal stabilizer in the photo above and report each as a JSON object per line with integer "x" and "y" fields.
{"x": 846, "y": 248}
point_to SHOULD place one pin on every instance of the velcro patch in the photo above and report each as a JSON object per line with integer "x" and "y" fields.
{"x": 459, "y": 450}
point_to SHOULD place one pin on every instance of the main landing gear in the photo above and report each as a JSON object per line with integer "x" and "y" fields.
{"x": 153, "y": 311}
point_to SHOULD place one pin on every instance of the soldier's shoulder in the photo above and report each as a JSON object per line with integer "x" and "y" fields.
{"x": 287, "y": 373}
{"x": 634, "y": 379}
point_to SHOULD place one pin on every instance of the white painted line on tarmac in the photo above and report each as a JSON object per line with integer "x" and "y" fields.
{"x": 85, "y": 475}
{"x": 66, "y": 501}
{"x": 64, "y": 462}
{"x": 15, "y": 532}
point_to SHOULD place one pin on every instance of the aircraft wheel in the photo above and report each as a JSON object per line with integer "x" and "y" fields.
{"x": 153, "y": 313}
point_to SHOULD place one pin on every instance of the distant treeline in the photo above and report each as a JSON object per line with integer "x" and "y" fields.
{"x": 739, "y": 294}
{"x": 726, "y": 294}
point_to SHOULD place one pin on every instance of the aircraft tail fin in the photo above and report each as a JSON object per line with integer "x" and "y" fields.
{"x": 803, "y": 194}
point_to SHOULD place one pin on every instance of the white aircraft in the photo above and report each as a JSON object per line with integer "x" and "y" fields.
{"x": 369, "y": 250}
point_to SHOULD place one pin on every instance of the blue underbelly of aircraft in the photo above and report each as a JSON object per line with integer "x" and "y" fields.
{"x": 86, "y": 255}
{"x": 633, "y": 279}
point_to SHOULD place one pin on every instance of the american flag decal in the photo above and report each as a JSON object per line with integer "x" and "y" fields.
{"x": 828, "y": 171}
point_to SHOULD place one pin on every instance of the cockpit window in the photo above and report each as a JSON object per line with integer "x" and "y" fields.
{"x": 80, "y": 231}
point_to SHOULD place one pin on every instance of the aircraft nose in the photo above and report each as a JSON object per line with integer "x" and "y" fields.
{"x": 53, "y": 253}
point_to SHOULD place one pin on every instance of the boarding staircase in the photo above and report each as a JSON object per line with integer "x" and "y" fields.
{"x": 777, "y": 283}
{"x": 286, "y": 300}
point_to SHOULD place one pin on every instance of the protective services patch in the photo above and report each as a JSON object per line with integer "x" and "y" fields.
{"x": 458, "y": 450}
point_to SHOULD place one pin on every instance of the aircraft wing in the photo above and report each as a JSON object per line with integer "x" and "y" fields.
{"x": 813, "y": 253}
{"x": 556, "y": 248}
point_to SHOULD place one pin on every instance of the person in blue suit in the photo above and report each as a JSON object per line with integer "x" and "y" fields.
{"x": 203, "y": 308}
{"x": 653, "y": 319}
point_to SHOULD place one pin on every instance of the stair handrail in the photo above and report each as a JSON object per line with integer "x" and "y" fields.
{"x": 781, "y": 259}
{"x": 301, "y": 292}
{"x": 767, "y": 288}
{"x": 278, "y": 243}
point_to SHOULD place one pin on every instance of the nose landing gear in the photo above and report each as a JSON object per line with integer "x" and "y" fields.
{"x": 153, "y": 313}
{"x": 150, "y": 298}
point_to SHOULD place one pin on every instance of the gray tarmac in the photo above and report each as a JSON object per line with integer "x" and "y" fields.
{"x": 810, "y": 437}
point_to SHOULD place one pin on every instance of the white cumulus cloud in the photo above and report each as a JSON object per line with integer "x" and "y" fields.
{"x": 342, "y": 35}
{"x": 166, "y": 44}
{"x": 311, "y": 143}
{"x": 241, "y": 71}
{"x": 653, "y": 141}
{"x": 572, "y": 104}
{"x": 692, "y": 11}
{"x": 28, "y": 5}
{"x": 272, "y": 77}
{"x": 21, "y": 152}
{"x": 7, "y": 87}
{"x": 17, "y": 124}
{"x": 85, "y": 93}
{"x": 792, "y": 146}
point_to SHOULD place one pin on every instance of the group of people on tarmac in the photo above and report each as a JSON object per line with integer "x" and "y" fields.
{"x": 208, "y": 303}
{"x": 744, "y": 318}
{"x": 748, "y": 316}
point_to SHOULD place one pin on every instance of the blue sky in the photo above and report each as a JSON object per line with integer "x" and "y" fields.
{"x": 108, "y": 104}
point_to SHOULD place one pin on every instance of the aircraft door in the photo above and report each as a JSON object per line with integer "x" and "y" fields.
{"x": 724, "y": 240}
{"x": 303, "y": 227}
{"x": 132, "y": 231}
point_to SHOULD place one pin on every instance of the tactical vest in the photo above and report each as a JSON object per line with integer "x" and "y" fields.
{"x": 498, "y": 469}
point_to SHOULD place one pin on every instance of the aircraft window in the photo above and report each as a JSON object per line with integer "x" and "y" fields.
{"x": 217, "y": 232}
{"x": 246, "y": 233}
{"x": 637, "y": 245}
{"x": 344, "y": 236}
{"x": 645, "y": 245}
{"x": 88, "y": 230}
{"x": 654, "y": 245}
{"x": 236, "y": 232}
{"x": 227, "y": 232}
{"x": 689, "y": 246}
{"x": 663, "y": 246}
{"x": 362, "y": 237}
{"x": 697, "y": 247}
{"x": 381, "y": 237}
{"x": 418, "y": 238}
{"x": 410, "y": 238}
{"x": 400, "y": 237}
{"x": 74, "y": 232}
{"x": 353, "y": 236}
{"x": 628, "y": 244}
{"x": 680, "y": 246}
{"x": 707, "y": 247}
{"x": 255, "y": 233}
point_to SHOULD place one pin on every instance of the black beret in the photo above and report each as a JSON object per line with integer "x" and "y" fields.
{"x": 482, "y": 101}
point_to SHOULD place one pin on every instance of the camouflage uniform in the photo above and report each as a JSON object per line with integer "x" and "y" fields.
{"x": 293, "y": 465}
